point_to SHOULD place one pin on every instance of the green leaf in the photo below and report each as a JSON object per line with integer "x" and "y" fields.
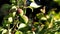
{"x": 22, "y": 25}
{"x": 18, "y": 32}
{"x": 58, "y": 1}
{"x": 56, "y": 32}
{"x": 13, "y": 1}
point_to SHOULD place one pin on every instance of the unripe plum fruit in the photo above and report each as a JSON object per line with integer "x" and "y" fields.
{"x": 20, "y": 12}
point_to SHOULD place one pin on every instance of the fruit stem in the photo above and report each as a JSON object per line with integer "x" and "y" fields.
{"x": 24, "y": 3}
{"x": 24, "y": 7}
{"x": 17, "y": 2}
{"x": 8, "y": 28}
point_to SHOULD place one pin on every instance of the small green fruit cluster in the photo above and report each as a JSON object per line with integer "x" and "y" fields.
{"x": 19, "y": 12}
{"x": 23, "y": 18}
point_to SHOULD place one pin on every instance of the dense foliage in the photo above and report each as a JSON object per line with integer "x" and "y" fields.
{"x": 22, "y": 17}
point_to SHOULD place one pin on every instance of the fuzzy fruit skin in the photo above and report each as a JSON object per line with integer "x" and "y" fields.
{"x": 19, "y": 11}
{"x": 24, "y": 19}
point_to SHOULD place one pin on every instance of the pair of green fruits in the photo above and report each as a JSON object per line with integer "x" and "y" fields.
{"x": 23, "y": 18}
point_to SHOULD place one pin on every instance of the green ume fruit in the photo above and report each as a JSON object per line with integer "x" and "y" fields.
{"x": 24, "y": 19}
{"x": 20, "y": 12}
